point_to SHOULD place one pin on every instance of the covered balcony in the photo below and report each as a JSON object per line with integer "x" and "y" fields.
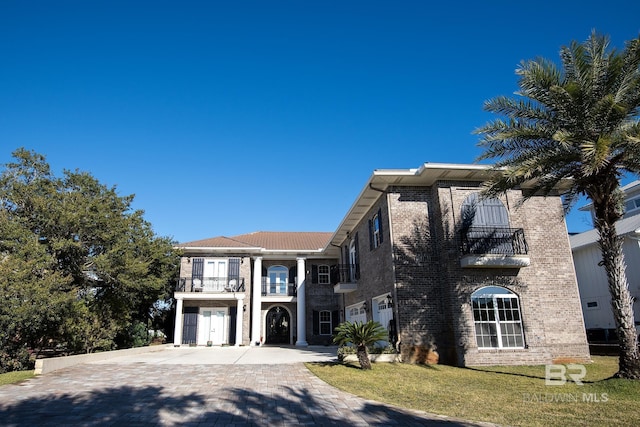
{"x": 210, "y": 284}
{"x": 494, "y": 247}
{"x": 277, "y": 288}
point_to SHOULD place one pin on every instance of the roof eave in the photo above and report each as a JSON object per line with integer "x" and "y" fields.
{"x": 425, "y": 176}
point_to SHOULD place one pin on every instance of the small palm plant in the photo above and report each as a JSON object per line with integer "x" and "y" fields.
{"x": 360, "y": 335}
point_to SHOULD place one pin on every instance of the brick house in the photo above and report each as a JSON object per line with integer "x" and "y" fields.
{"x": 479, "y": 281}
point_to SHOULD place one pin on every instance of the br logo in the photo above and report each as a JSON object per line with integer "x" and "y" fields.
{"x": 558, "y": 374}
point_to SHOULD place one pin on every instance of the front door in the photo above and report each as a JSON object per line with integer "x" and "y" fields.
{"x": 213, "y": 326}
{"x": 278, "y": 326}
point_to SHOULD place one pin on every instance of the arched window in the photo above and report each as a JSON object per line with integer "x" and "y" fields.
{"x": 478, "y": 212}
{"x": 497, "y": 319}
{"x": 278, "y": 279}
{"x": 485, "y": 226}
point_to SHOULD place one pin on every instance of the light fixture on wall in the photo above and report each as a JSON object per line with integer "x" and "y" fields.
{"x": 244, "y": 307}
{"x": 364, "y": 306}
{"x": 389, "y": 301}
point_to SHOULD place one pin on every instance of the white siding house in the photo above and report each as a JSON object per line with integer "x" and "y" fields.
{"x": 592, "y": 280}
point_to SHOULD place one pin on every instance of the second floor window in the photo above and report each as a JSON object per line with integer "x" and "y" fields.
{"x": 375, "y": 230}
{"x": 323, "y": 274}
{"x": 277, "y": 277}
{"x": 632, "y": 205}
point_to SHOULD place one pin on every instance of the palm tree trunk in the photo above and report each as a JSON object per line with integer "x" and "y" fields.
{"x": 621, "y": 300}
{"x": 363, "y": 357}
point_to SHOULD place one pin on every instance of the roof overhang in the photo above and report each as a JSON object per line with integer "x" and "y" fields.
{"x": 424, "y": 176}
{"x": 258, "y": 251}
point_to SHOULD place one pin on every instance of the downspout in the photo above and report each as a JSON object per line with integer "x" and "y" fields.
{"x": 344, "y": 308}
{"x": 393, "y": 267}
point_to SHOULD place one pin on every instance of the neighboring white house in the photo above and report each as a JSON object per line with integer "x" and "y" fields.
{"x": 592, "y": 280}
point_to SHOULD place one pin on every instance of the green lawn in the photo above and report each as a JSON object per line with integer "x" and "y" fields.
{"x": 510, "y": 395}
{"x": 15, "y": 377}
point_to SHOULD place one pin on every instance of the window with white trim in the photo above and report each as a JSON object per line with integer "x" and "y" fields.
{"x": 632, "y": 205}
{"x": 323, "y": 274}
{"x": 278, "y": 279}
{"x": 497, "y": 319}
{"x": 376, "y": 230}
{"x": 325, "y": 322}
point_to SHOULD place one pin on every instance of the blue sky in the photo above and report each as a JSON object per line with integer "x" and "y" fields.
{"x": 230, "y": 117}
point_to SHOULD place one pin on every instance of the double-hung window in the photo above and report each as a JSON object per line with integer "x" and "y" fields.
{"x": 325, "y": 322}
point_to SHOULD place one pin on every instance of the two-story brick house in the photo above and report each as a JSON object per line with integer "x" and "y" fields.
{"x": 480, "y": 281}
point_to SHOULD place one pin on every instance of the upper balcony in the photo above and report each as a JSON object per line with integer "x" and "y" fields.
{"x": 347, "y": 277}
{"x": 277, "y": 289}
{"x": 494, "y": 247}
{"x": 210, "y": 284}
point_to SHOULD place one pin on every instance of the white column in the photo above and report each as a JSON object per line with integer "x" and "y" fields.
{"x": 256, "y": 301}
{"x": 239, "y": 316}
{"x": 301, "y": 311}
{"x": 177, "y": 329}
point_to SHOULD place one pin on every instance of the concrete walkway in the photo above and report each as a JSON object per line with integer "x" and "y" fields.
{"x": 199, "y": 386}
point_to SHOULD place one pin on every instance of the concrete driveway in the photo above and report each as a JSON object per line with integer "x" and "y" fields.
{"x": 263, "y": 386}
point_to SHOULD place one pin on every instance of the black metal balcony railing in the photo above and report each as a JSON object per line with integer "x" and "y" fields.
{"x": 210, "y": 284}
{"x": 278, "y": 289}
{"x": 346, "y": 273}
{"x": 492, "y": 240}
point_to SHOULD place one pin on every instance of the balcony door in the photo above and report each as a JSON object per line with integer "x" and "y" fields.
{"x": 353, "y": 260}
{"x": 278, "y": 279}
{"x": 215, "y": 275}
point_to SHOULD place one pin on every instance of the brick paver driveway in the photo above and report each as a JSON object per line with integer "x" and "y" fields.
{"x": 132, "y": 392}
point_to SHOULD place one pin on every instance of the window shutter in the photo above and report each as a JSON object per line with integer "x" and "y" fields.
{"x": 335, "y": 320}
{"x": 371, "y": 225}
{"x": 197, "y": 269}
{"x": 316, "y": 322}
{"x": 335, "y": 274}
{"x": 234, "y": 268}
{"x": 190, "y": 325}
{"x": 232, "y": 325}
{"x": 314, "y": 273}
{"x": 380, "y": 225}
{"x": 293, "y": 275}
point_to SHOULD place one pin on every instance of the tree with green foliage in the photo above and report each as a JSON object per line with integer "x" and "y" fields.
{"x": 576, "y": 130}
{"x": 361, "y": 335}
{"x": 79, "y": 268}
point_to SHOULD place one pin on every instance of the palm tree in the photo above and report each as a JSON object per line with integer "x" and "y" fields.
{"x": 576, "y": 130}
{"x": 360, "y": 335}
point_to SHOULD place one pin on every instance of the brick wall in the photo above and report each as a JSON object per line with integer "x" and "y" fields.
{"x": 434, "y": 292}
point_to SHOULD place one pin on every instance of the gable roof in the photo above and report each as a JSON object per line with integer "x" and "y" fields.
{"x": 265, "y": 240}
